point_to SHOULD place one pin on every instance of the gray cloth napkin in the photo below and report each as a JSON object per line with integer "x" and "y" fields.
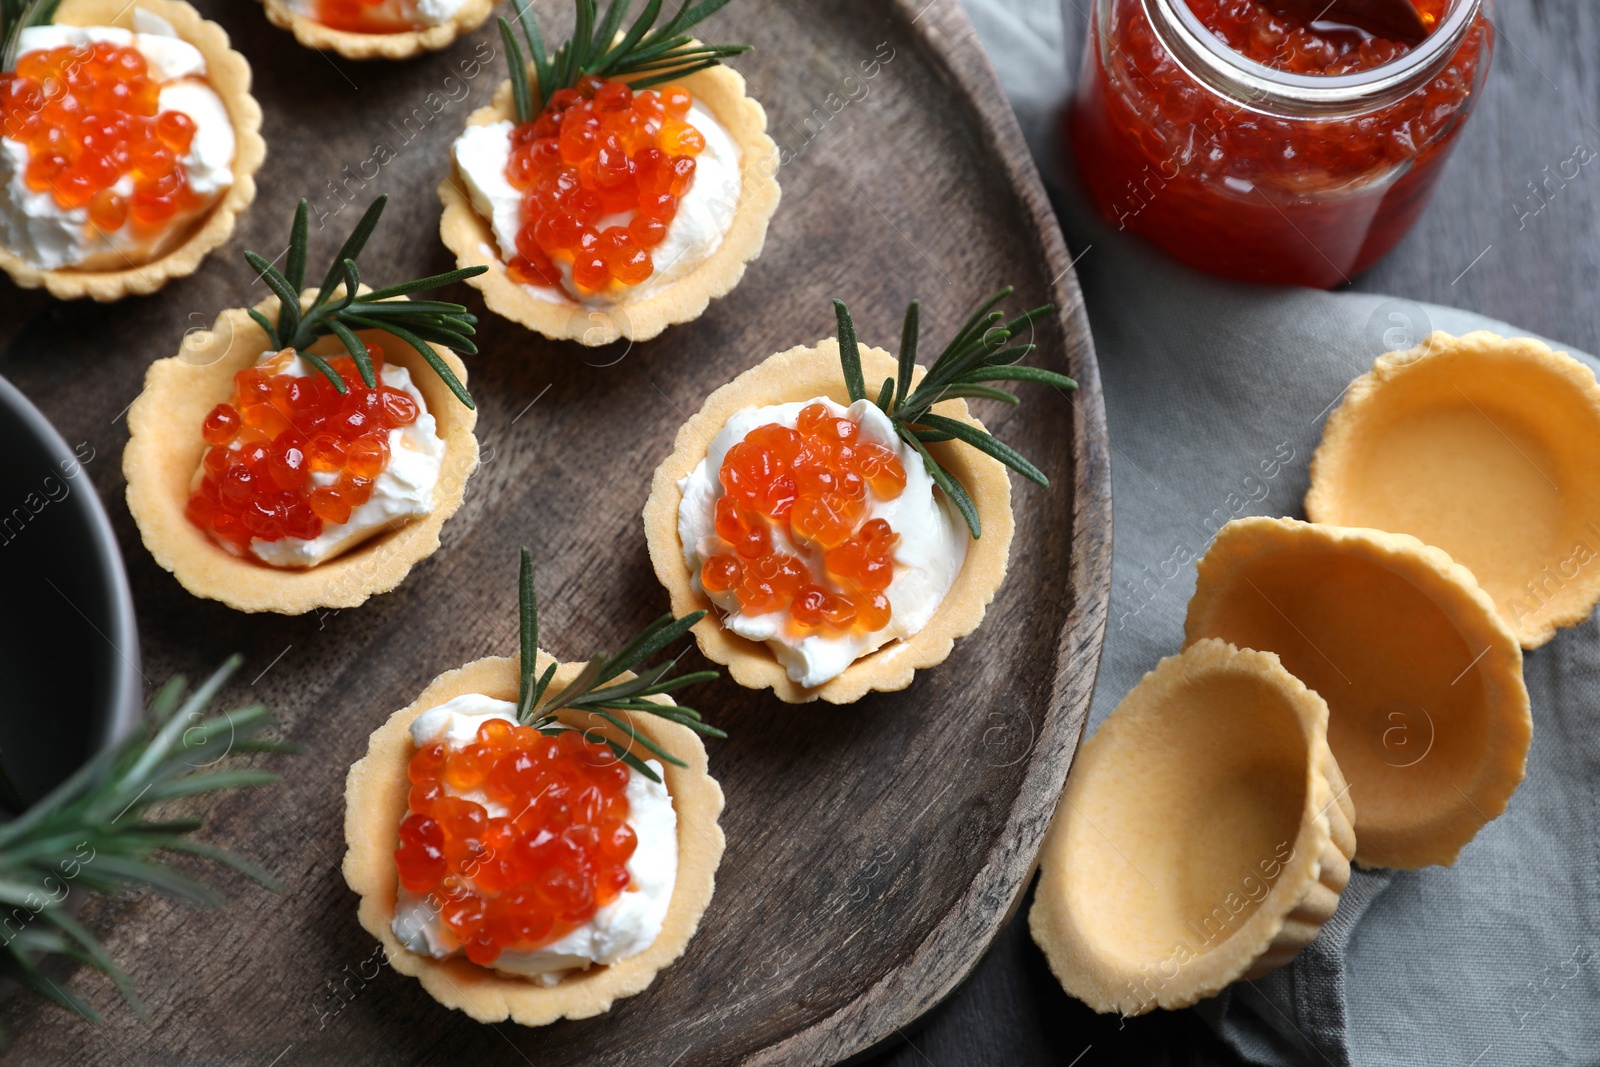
{"x": 1215, "y": 396}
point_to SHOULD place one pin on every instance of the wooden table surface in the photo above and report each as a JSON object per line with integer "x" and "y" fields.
{"x": 1507, "y": 235}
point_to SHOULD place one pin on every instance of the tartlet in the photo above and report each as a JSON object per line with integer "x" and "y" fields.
{"x": 800, "y": 374}
{"x": 164, "y": 451}
{"x": 1429, "y": 715}
{"x": 400, "y": 45}
{"x": 228, "y": 74}
{"x": 375, "y": 800}
{"x": 959, "y": 455}
{"x": 503, "y": 874}
{"x": 551, "y": 310}
{"x": 1477, "y": 445}
{"x": 280, "y": 462}
{"x": 1204, "y": 835}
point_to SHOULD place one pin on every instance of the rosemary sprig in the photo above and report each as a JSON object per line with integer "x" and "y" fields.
{"x": 979, "y": 353}
{"x": 340, "y": 309}
{"x": 16, "y": 16}
{"x": 588, "y": 692}
{"x": 646, "y": 55}
{"x": 92, "y": 832}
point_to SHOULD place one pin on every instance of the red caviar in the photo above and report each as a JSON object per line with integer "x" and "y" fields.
{"x": 598, "y": 151}
{"x": 525, "y": 879}
{"x": 90, "y": 117}
{"x": 1255, "y": 29}
{"x": 275, "y": 431}
{"x": 360, "y": 16}
{"x": 813, "y": 483}
{"x": 1237, "y": 184}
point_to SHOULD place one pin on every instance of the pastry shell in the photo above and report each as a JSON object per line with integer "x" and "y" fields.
{"x": 1481, "y": 445}
{"x": 375, "y": 802}
{"x": 1204, "y": 835}
{"x": 1429, "y": 713}
{"x": 165, "y": 447}
{"x": 228, "y": 74}
{"x": 800, "y": 374}
{"x": 468, "y": 234}
{"x": 404, "y": 45}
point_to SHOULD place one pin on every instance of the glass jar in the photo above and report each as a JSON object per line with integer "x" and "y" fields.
{"x": 1275, "y": 175}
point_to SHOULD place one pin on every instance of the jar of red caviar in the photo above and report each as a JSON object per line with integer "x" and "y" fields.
{"x": 1251, "y": 144}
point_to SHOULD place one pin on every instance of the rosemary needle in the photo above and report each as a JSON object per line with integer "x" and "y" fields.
{"x": 589, "y": 691}
{"x": 340, "y": 308}
{"x": 646, "y": 55}
{"x": 980, "y": 353}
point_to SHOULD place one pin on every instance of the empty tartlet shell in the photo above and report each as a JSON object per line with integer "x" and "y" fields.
{"x": 1429, "y": 715}
{"x": 802, "y": 373}
{"x": 228, "y": 74}
{"x": 468, "y": 234}
{"x": 1125, "y": 910}
{"x": 313, "y": 34}
{"x": 375, "y": 802}
{"x": 165, "y": 448}
{"x": 1509, "y": 488}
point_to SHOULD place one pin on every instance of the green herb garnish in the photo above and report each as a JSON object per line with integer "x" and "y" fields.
{"x": 16, "y": 16}
{"x": 588, "y": 691}
{"x": 92, "y": 832}
{"x": 978, "y": 354}
{"x": 340, "y": 309}
{"x": 642, "y": 58}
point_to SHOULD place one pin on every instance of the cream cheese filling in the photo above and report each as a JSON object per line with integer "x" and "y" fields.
{"x": 625, "y": 927}
{"x": 51, "y": 237}
{"x": 927, "y": 558}
{"x": 705, "y": 211}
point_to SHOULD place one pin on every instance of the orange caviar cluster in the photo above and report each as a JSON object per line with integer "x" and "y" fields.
{"x": 812, "y": 483}
{"x": 525, "y": 879}
{"x": 275, "y": 431}
{"x": 90, "y": 117}
{"x": 596, "y": 152}
{"x": 359, "y": 16}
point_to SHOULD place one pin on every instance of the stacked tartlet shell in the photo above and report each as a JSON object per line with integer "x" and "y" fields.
{"x": 375, "y": 803}
{"x": 165, "y": 449}
{"x": 1429, "y": 713}
{"x": 803, "y": 373}
{"x": 228, "y": 74}
{"x": 1482, "y": 446}
{"x": 402, "y": 45}
{"x": 1204, "y": 836}
{"x": 721, "y": 90}
{"x": 1415, "y": 727}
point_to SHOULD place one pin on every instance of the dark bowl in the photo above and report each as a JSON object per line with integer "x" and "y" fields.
{"x": 69, "y": 646}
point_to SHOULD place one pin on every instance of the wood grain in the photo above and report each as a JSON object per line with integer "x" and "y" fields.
{"x": 874, "y": 851}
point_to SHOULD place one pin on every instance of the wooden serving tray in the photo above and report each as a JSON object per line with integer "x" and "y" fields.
{"x": 874, "y": 850}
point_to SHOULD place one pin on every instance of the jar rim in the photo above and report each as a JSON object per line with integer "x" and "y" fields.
{"x": 1210, "y": 60}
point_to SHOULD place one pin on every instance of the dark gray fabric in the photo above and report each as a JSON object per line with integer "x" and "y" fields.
{"x": 1215, "y": 395}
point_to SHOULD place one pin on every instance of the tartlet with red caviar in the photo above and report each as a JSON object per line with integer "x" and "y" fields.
{"x": 131, "y": 144}
{"x": 535, "y": 842}
{"x": 845, "y": 537}
{"x": 615, "y": 188}
{"x": 378, "y": 29}
{"x": 304, "y": 453}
